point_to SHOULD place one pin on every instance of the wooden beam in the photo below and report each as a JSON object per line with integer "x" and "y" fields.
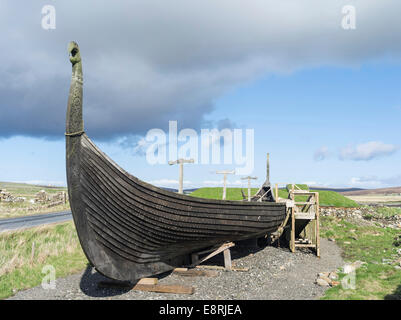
{"x": 178, "y": 289}
{"x": 195, "y": 256}
{"x": 148, "y": 281}
{"x": 181, "y": 162}
{"x": 222, "y": 268}
{"x": 168, "y": 288}
{"x": 227, "y": 259}
{"x": 225, "y": 173}
{"x": 195, "y": 273}
{"x": 249, "y": 178}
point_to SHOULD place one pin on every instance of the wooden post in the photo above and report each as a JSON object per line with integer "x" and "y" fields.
{"x": 227, "y": 259}
{"x": 317, "y": 224}
{"x": 225, "y": 173}
{"x": 249, "y": 185}
{"x": 181, "y": 162}
{"x": 292, "y": 245}
{"x": 268, "y": 168}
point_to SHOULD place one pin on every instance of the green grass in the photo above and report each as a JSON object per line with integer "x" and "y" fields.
{"x": 370, "y": 244}
{"x": 24, "y": 189}
{"x": 386, "y": 212}
{"x": 55, "y": 245}
{"x": 327, "y": 198}
{"x": 217, "y": 193}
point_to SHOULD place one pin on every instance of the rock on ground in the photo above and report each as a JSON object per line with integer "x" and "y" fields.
{"x": 274, "y": 273}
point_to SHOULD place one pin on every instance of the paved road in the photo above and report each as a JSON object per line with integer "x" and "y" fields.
{"x": 34, "y": 220}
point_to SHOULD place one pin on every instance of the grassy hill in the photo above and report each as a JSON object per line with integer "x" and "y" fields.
{"x": 327, "y": 198}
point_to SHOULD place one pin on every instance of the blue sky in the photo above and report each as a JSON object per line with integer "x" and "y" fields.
{"x": 325, "y": 103}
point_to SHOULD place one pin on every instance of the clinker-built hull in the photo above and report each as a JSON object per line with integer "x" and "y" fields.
{"x": 130, "y": 229}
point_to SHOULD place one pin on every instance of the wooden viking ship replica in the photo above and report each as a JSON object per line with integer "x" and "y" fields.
{"x": 130, "y": 229}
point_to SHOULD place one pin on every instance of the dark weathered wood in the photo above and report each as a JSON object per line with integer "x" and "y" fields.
{"x": 130, "y": 229}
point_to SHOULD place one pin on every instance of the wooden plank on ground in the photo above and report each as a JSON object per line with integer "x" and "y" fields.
{"x": 222, "y": 268}
{"x": 148, "y": 281}
{"x": 178, "y": 289}
{"x": 168, "y": 288}
{"x": 196, "y": 273}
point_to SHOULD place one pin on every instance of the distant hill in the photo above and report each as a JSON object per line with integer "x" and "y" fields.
{"x": 363, "y": 192}
{"x": 340, "y": 190}
{"x": 327, "y": 197}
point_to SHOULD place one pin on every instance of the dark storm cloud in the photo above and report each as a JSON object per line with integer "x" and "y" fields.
{"x": 147, "y": 62}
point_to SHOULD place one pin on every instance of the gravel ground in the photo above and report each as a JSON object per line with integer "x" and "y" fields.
{"x": 274, "y": 273}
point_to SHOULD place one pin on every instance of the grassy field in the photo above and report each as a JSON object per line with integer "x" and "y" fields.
{"x": 24, "y": 253}
{"x": 378, "y": 278}
{"x": 17, "y": 209}
{"x": 376, "y": 198}
{"x": 217, "y": 193}
{"x": 28, "y": 190}
{"x": 327, "y": 198}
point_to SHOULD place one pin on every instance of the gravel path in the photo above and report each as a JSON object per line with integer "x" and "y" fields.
{"x": 275, "y": 273}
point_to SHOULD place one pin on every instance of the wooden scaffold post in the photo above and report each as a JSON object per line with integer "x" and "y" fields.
{"x": 249, "y": 178}
{"x": 225, "y": 173}
{"x": 181, "y": 162}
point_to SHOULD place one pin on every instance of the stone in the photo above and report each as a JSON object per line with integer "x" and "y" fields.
{"x": 348, "y": 268}
{"x": 357, "y": 264}
{"x": 333, "y": 275}
{"x": 327, "y": 279}
{"x": 322, "y": 283}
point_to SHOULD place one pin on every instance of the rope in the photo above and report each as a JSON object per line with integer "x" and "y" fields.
{"x": 73, "y": 134}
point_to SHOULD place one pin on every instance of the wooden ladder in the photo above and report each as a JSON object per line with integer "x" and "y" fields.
{"x": 302, "y": 219}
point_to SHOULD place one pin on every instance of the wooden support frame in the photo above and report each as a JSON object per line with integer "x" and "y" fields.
{"x": 305, "y": 212}
{"x": 225, "y": 248}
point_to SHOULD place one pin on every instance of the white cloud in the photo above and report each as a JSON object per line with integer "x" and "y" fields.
{"x": 321, "y": 153}
{"x": 367, "y": 151}
{"x": 171, "y": 59}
